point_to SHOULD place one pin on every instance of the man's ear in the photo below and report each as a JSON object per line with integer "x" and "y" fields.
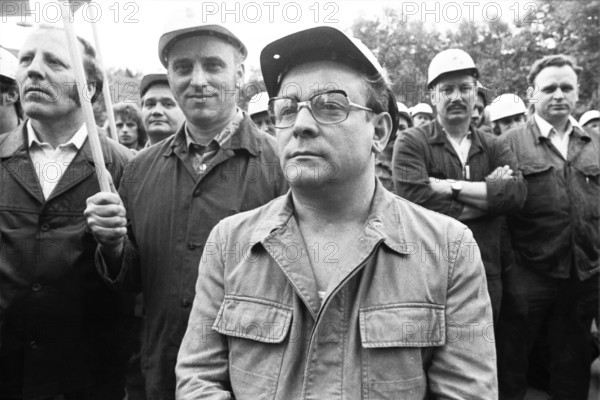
{"x": 11, "y": 96}
{"x": 381, "y": 134}
{"x": 240, "y": 75}
{"x": 433, "y": 97}
{"x": 91, "y": 87}
{"x": 530, "y": 92}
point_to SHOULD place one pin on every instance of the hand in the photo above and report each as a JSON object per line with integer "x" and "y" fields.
{"x": 442, "y": 186}
{"x": 106, "y": 219}
{"x": 500, "y": 173}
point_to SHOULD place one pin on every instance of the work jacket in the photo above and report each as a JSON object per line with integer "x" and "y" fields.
{"x": 60, "y": 324}
{"x": 426, "y": 152}
{"x": 407, "y": 315}
{"x": 171, "y": 210}
{"x": 557, "y": 231}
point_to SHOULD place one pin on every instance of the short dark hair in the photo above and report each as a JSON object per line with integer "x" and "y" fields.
{"x": 556, "y": 60}
{"x": 131, "y": 111}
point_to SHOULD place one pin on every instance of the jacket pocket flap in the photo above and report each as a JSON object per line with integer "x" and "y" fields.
{"x": 534, "y": 168}
{"x": 254, "y": 319}
{"x": 590, "y": 170}
{"x": 402, "y": 325}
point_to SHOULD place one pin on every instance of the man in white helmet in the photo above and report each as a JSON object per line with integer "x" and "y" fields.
{"x": 421, "y": 114}
{"x": 217, "y": 164}
{"x": 507, "y": 111}
{"x": 258, "y": 110}
{"x": 556, "y": 237}
{"x": 590, "y": 121}
{"x": 452, "y": 167}
{"x": 11, "y": 112}
{"x": 336, "y": 290}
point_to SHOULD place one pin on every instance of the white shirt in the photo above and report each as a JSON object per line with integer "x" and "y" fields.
{"x": 548, "y": 131}
{"x": 50, "y": 164}
{"x": 462, "y": 148}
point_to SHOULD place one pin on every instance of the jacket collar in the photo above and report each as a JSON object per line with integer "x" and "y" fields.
{"x": 17, "y": 141}
{"x": 577, "y": 131}
{"x": 245, "y": 137}
{"x": 384, "y": 222}
{"x": 437, "y": 135}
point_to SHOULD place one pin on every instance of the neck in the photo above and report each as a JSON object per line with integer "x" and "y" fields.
{"x": 335, "y": 205}
{"x": 8, "y": 119}
{"x": 208, "y": 130}
{"x": 559, "y": 125}
{"x": 155, "y": 137}
{"x": 57, "y": 131}
{"x": 456, "y": 130}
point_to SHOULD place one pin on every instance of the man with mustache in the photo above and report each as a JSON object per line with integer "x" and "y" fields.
{"x": 340, "y": 289}
{"x": 556, "y": 238}
{"x": 452, "y": 167}
{"x": 60, "y": 325}
{"x": 161, "y": 114}
{"x": 173, "y": 193}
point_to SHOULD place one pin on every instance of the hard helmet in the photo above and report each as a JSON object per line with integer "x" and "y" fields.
{"x": 450, "y": 60}
{"x": 258, "y": 103}
{"x": 421, "y": 108}
{"x": 8, "y": 64}
{"x": 589, "y": 116}
{"x": 403, "y": 111}
{"x": 505, "y": 105}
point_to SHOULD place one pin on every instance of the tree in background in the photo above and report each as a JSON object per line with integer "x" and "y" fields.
{"x": 503, "y": 51}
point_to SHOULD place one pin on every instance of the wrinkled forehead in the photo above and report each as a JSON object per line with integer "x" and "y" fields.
{"x": 553, "y": 73}
{"x": 304, "y": 80}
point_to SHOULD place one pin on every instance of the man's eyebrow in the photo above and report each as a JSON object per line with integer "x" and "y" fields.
{"x": 25, "y": 53}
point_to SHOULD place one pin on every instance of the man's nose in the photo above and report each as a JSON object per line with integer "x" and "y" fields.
{"x": 305, "y": 124}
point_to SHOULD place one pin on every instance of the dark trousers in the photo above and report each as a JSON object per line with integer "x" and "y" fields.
{"x": 566, "y": 307}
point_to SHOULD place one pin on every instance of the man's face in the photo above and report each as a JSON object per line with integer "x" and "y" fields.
{"x": 46, "y": 77}
{"x": 313, "y": 154}
{"x": 555, "y": 93}
{"x": 160, "y": 113}
{"x": 421, "y": 119}
{"x": 403, "y": 124}
{"x": 513, "y": 121}
{"x": 454, "y": 97}
{"x": 203, "y": 74}
{"x": 593, "y": 126}
{"x": 478, "y": 107}
{"x": 263, "y": 122}
{"x": 127, "y": 131}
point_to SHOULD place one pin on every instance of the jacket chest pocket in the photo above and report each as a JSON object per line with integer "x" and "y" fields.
{"x": 541, "y": 189}
{"x": 255, "y": 330}
{"x": 393, "y": 339}
{"x": 588, "y": 179}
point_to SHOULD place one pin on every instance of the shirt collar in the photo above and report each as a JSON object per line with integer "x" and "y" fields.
{"x": 76, "y": 140}
{"x": 545, "y": 126}
{"x": 385, "y": 220}
{"x": 223, "y": 136}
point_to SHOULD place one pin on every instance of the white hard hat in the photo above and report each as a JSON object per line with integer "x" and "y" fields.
{"x": 8, "y": 64}
{"x": 589, "y": 116}
{"x": 258, "y": 103}
{"x": 421, "y": 108}
{"x": 188, "y": 25}
{"x": 450, "y": 60}
{"x": 505, "y": 105}
{"x": 403, "y": 111}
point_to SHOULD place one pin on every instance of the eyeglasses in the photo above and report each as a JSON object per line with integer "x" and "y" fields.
{"x": 326, "y": 108}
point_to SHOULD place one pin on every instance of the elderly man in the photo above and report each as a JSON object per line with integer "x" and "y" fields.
{"x": 161, "y": 114}
{"x": 217, "y": 164}
{"x": 451, "y": 167}
{"x": 11, "y": 112}
{"x": 337, "y": 290}
{"x": 60, "y": 324}
{"x": 555, "y": 236}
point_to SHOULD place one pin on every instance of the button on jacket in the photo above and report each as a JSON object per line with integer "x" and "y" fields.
{"x": 171, "y": 210}
{"x": 60, "y": 324}
{"x": 425, "y": 152}
{"x": 407, "y": 315}
{"x": 558, "y": 226}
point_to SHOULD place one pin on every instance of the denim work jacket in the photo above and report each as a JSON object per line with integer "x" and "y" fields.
{"x": 556, "y": 232}
{"x": 171, "y": 211}
{"x": 407, "y": 316}
{"x": 61, "y": 326}
{"x": 425, "y": 152}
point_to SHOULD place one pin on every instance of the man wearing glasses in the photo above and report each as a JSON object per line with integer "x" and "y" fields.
{"x": 339, "y": 290}
{"x": 452, "y": 167}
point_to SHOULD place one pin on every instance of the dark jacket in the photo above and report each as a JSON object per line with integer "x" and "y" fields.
{"x": 171, "y": 212}
{"x": 59, "y": 322}
{"x": 406, "y": 316}
{"x": 557, "y": 229}
{"x": 425, "y": 151}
